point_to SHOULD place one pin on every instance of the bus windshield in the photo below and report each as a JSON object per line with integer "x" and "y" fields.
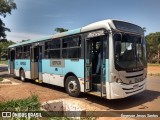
{"x": 130, "y": 51}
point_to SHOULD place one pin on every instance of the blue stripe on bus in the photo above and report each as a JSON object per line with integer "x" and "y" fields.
{"x": 77, "y": 67}
{"x": 24, "y": 63}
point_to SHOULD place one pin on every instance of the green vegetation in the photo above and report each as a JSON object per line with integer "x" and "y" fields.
{"x": 3, "y": 49}
{"x": 150, "y": 64}
{"x": 6, "y": 6}
{"x": 61, "y": 30}
{"x": 29, "y": 104}
{"x": 4, "y": 62}
{"x": 1, "y": 78}
{"x": 153, "y": 47}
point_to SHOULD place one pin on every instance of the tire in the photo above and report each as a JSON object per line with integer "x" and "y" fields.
{"x": 22, "y": 76}
{"x": 72, "y": 86}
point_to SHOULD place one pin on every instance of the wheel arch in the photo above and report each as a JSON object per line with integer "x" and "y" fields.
{"x": 21, "y": 68}
{"x": 67, "y": 75}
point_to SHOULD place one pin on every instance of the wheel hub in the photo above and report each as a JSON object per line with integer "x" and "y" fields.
{"x": 72, "y": 86}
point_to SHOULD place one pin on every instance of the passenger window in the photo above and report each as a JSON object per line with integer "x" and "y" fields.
{"x": 26, "y": 53}
{"x": 71, "y": 47}
{"x": 19, "y": 53}
{"x": 52, "y": 49}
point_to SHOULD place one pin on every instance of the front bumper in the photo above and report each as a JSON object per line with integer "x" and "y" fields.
{"x": 120, "y": 90}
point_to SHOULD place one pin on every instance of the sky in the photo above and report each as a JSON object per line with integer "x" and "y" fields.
{"x": 37, "y": 18}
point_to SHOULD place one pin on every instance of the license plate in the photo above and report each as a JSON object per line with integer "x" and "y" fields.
{"x": 138, "y": 79}
{"x": 135, "y": 86}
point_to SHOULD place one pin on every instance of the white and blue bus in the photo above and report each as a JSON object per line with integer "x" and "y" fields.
{"x": 105, "y": 58}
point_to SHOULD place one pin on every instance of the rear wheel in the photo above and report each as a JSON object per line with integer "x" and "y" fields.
{"x": 22, "y": 75}
{"x": 72, "y": 86}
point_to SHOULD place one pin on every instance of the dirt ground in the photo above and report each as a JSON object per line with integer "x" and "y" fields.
{"x": 153, "y": 69}
{"x": 48, "y": 92}
{"x": 24, "y": 90}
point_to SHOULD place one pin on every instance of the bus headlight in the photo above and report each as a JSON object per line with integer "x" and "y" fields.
{"x": 119, "y": 81}
{"x": 115, "y": 77}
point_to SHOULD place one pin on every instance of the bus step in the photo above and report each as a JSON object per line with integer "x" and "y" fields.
{"x": 95, "y": 93}
{"x": 97, "y": 87}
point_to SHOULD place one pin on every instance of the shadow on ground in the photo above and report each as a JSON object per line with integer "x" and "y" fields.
{"x": 118, "y": 104}
{"x": 5, "y": 76}
{"x": 126, "y": 103}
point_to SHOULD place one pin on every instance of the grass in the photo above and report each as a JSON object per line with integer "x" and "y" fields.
{"x": 1, "y": 79}
{"x": 4, "y": 62}
{"x": 29, "y": 104}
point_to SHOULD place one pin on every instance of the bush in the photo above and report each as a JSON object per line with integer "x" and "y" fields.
{"x": 29, "y": 104}
{"x": 1, "y": 79}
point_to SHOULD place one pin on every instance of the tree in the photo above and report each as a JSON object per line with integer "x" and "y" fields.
{"x": 6, "y": 6}
{"x": 61, "y": 30}
{"x": 153, "y": 47}
{"x": 3, "y": 48}
{"x": 24, "y": 40}
{"x": 144, "y": 29}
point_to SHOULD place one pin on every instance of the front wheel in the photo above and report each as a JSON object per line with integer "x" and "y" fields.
{"x": 22, "y": 75}
{"x": 72, "y": 86}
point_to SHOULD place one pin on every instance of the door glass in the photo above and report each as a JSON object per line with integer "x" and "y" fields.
{"x": 88, "y": 65}
{"x": 103, "y": 64}
{"x": 12, "y": 66}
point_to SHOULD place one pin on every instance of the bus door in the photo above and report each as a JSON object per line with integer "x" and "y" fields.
{"x": 103, "y": 52}
{"x": 88, "y": 65}
{"x": 95, "y": 64}
{"x": 36, "y": 62}
{"x": 12, "y": 61}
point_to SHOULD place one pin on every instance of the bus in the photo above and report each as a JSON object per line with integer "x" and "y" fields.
{"x": 106, "y": 58}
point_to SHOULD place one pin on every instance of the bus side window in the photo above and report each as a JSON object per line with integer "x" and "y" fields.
{"x": 71, "y": 47}
{"x": 52, "y": 49}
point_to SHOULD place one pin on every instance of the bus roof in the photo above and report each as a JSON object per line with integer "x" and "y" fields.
{"x": 70, "y": 32}
{"x": 106, "y": 24}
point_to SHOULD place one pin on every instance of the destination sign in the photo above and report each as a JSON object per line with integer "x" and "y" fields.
{"x": 22, "y": 63}
{"x": 95, "y": 34}
{"x": 57, "y": 63}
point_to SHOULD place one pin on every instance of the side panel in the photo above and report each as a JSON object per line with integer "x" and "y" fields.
{"x": 50, "y": 74}
{"x": 25, "y": 64}
{"x": 76, "y": 67}
{"x": 55, "y": 75}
